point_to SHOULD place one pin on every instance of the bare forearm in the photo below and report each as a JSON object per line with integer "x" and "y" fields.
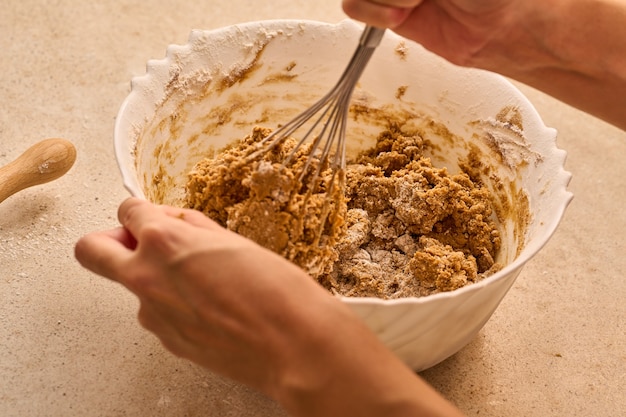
{"x": 336, "y": 366}
{"x": 574, "y": 50}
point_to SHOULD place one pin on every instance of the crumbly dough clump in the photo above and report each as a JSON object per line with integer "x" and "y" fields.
{"x": 403, "y": 227}
{"x": 272, "y": 204}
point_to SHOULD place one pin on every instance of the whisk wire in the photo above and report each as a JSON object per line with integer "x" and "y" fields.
{"x": 337, "y": 98}
{"x": 331, "y": 114}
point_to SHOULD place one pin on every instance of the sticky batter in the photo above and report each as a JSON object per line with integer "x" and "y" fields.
{"x": 403, "y": 227}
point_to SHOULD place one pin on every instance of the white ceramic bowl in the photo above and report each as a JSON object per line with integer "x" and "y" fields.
{"x": 214, "y": 89}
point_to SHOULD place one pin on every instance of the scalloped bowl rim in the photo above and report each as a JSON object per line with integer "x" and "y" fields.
{"x": 524, "y": 256}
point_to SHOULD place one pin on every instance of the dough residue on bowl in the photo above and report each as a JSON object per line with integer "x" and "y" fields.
{"x": 403, "y": 227}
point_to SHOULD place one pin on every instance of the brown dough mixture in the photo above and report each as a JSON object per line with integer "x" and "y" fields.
{"x": 404, "y": 228}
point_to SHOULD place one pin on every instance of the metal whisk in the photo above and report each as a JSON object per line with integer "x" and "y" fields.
{"x": 332, "y": 109}
{"x": 326, "y": 137}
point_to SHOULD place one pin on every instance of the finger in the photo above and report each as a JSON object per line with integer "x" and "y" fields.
{"x": 105, "y": 253}
{"x": 379, "y": 14}
{"x": 403, "y": 4}
{"x": 141, "y": 216}
{"x": 123, "y": 236}
{"x": 190, "y": 216}
{"x": 193, "y": 217}
{"x": 129, "y": 205}
{"x": 160, "y": 236}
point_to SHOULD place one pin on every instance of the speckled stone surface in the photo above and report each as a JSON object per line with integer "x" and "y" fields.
{"x": 69, "y": 341}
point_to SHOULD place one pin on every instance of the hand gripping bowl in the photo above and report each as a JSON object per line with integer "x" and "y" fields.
{"x": 213, "y": 90}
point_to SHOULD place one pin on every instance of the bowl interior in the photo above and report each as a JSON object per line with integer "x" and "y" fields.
{"x": 213, "y": 90}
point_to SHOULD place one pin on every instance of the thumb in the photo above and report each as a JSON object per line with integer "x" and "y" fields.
{"x": 106, "y": 253}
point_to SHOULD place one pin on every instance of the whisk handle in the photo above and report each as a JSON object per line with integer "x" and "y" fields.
{"x": 371, "y": 36}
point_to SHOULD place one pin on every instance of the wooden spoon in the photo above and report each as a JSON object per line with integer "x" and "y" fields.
{"x": 43, "y": 162}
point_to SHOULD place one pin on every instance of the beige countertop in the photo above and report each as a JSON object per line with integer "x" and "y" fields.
{"x": 69, "y": 341}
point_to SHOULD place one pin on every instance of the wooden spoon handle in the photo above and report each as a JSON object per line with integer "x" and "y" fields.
{"x": 43, "y": 162}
